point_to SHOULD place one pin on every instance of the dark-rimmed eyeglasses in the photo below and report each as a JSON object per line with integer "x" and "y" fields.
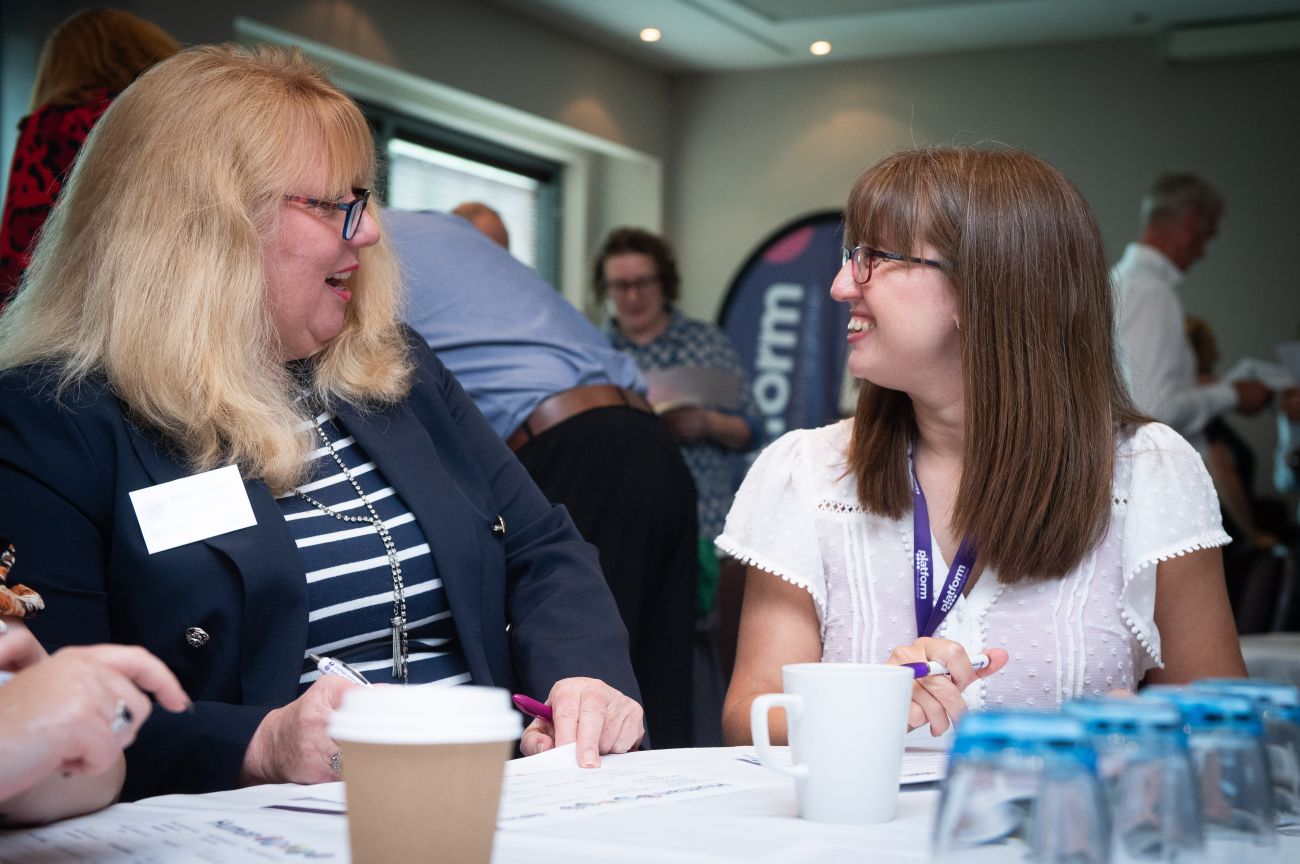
{"x": 864, "y": 259}
{"x": 354, "y": 209}
{"x": 620, "y": 286}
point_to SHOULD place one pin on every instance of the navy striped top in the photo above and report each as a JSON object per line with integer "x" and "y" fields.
{"x": 350, "y": 582}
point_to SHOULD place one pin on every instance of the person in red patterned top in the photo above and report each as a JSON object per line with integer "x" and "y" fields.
{"x": 87, "y": 60}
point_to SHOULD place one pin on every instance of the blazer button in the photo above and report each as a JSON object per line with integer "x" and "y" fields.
{"x": 197, "y": 637}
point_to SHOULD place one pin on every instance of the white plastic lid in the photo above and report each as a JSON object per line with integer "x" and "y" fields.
{"x": 425, "y": 715}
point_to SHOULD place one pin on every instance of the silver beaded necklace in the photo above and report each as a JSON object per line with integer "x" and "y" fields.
{"x": 400, "y": 651}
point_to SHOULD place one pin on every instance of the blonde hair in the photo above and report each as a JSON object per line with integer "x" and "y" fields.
{"x": 150, "y": 270}
{"x": 1043, "y": 396}
{"x": 97, "y": 49}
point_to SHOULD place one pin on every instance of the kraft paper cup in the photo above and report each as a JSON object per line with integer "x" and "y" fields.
{"x": 422, "y": 768}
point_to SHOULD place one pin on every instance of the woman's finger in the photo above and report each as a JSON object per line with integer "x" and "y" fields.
{"x": 146, "y": 671}
{"x": 932, "y": 712}
{"x": 128, "y": 710}
{"x": 632, "y": 731}
{"x": 622, "y": 728}
{"x": 947, "y": 694}
{"x": 19, "y": 648}
{"x": 998, "y": 658}
{"x": 535, "y": 740}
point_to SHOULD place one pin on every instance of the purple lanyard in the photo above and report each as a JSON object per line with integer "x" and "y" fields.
{"x": 930, "y": 615}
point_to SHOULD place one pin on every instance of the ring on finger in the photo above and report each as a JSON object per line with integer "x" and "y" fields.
{"x": 336, "y": 762}
{"x": 122, "y": 717}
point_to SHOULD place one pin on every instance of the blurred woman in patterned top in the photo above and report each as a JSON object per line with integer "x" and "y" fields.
{"x": 636, "y": 273}
{"x": 85, "y": 63}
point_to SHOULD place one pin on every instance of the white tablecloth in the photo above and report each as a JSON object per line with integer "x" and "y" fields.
{"x": 755, "y": 826}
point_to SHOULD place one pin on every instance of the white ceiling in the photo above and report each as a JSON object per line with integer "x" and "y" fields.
{"x": 715, "y": 35}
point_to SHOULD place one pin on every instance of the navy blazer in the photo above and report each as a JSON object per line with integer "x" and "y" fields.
{"x": 529, "y": 608}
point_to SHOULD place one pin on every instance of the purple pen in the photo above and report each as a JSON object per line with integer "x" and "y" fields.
{"x": 934, "y": 667}
{"x": 532, "y": 707}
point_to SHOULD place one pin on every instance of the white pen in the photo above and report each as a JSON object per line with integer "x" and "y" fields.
{"x": 934, "y": 667}
{"x": 330, "y": 666}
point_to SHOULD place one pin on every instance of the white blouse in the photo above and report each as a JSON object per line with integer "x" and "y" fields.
{"x": 797, "y": 515}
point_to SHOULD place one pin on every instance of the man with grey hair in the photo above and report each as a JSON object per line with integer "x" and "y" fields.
{"x": 1179, "y": 217}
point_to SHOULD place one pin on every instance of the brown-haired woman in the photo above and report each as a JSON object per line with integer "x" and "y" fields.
{"x": 85, "y": 63}
{"x": 994, "y": 429}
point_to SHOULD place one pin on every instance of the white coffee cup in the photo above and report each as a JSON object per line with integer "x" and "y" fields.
{"x": 423, "y": 767}
{"x": 846, "y": 723}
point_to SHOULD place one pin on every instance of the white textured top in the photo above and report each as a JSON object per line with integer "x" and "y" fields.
{"x": 797, "y": 515}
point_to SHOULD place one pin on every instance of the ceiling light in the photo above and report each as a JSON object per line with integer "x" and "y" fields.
{"x": 821, "y": 48}
{"x": 651, "y": 34}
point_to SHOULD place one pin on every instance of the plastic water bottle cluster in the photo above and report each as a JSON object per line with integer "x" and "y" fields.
{"x": 1204, "y": 773}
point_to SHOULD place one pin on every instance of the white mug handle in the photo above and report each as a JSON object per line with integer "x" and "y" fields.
{"x": 793, "y": 706}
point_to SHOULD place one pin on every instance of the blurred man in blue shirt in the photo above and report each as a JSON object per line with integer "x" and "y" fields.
{"x": 573, "y": 410}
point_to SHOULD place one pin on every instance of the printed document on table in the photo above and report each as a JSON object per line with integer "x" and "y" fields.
{"x": 923, "y": 766}
{"x": 134, "y": 834}
{"x": 557, "y": 790}
{"x": 920, "y": 764}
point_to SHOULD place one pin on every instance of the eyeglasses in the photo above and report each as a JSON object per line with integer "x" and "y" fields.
{"x": 619, "y": 286}
{"x": 864, "y": 259}
{"x": 353, "y": 209}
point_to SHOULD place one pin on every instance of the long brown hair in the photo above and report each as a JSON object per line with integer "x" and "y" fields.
{"x": 94, "y": 49}
{"x": 1044, "y": 399}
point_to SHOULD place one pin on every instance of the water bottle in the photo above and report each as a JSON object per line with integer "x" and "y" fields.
{"x": 1226, "y": 739}
{"x": 1278, "y": 705}
{"x": 1022, "y": 786}
{"x": 1145, "y": 767}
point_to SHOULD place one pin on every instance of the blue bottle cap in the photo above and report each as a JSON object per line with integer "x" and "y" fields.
{"x": 1129, "y": 717}
{"x": 1031, "y": 733}
{"x": 1271, "y": 698}
{"x": 1207, "y": 711}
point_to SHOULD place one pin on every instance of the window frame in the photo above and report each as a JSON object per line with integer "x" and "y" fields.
{"x": 387, "y": 124}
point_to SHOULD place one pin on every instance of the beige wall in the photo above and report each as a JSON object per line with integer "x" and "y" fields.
{"x": 745, "y": 152}
{"x": 754, "y": 150}
{"x": 464, "y": 44}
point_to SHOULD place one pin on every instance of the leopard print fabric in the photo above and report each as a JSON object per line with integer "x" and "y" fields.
{"x": 18, "y": 601}
{"x": 48, "y": 141}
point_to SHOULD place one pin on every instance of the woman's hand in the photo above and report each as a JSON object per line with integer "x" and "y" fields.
{"x": 937, "y": 699}
{"x": 18, "y": 647}
{"x": 76, "y": 711}
{"x": 292, "y": 744}
{"x": 592, "y": 713}
{"x": 687, "y": 424}
{"x": 694, "y": 423}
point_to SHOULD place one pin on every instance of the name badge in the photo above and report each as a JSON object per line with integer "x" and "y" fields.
{"x": 192, "y": 509}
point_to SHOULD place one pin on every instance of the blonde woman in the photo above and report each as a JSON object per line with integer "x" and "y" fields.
{"x": 84, "y": 64}
{"x": 996, "y": 491}
{"x": 212, "y": 306}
